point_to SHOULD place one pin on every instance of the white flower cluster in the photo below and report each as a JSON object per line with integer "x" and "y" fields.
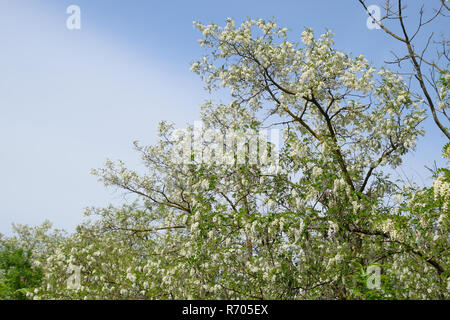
{"x": 441, "y": 189}
{"x": 394, "y": 233}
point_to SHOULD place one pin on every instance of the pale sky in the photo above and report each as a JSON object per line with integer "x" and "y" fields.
{"x": 69, "y": 99}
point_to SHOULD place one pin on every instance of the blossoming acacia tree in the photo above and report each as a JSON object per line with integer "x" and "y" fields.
{"x": 306, "y": 226}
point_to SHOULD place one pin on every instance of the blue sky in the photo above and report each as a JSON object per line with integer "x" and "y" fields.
{"x": 69, "y": 99}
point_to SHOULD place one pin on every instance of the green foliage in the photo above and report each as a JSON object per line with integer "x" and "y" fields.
{"x": 17, "y": 274}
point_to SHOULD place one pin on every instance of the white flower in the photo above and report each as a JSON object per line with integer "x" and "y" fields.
{"x": 205, "y": 184}
{"x": 401, "y": 98}
{"x": 282, "y": 32}
{"x": 195, "y": 67}
{"x": 194, "y": 226}
{"x": 398, "y": 198}
{"x": 123, "y": 292}
{"x": 334, "y": 227}
{"x": 307, "y": 37}
{"x": 316, "y": 172}
{"x": 294, "y": 193}
{"x": 131, "y": 277}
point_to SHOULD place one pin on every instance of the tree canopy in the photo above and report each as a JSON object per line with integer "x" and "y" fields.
{"x": 221, "y": 212}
